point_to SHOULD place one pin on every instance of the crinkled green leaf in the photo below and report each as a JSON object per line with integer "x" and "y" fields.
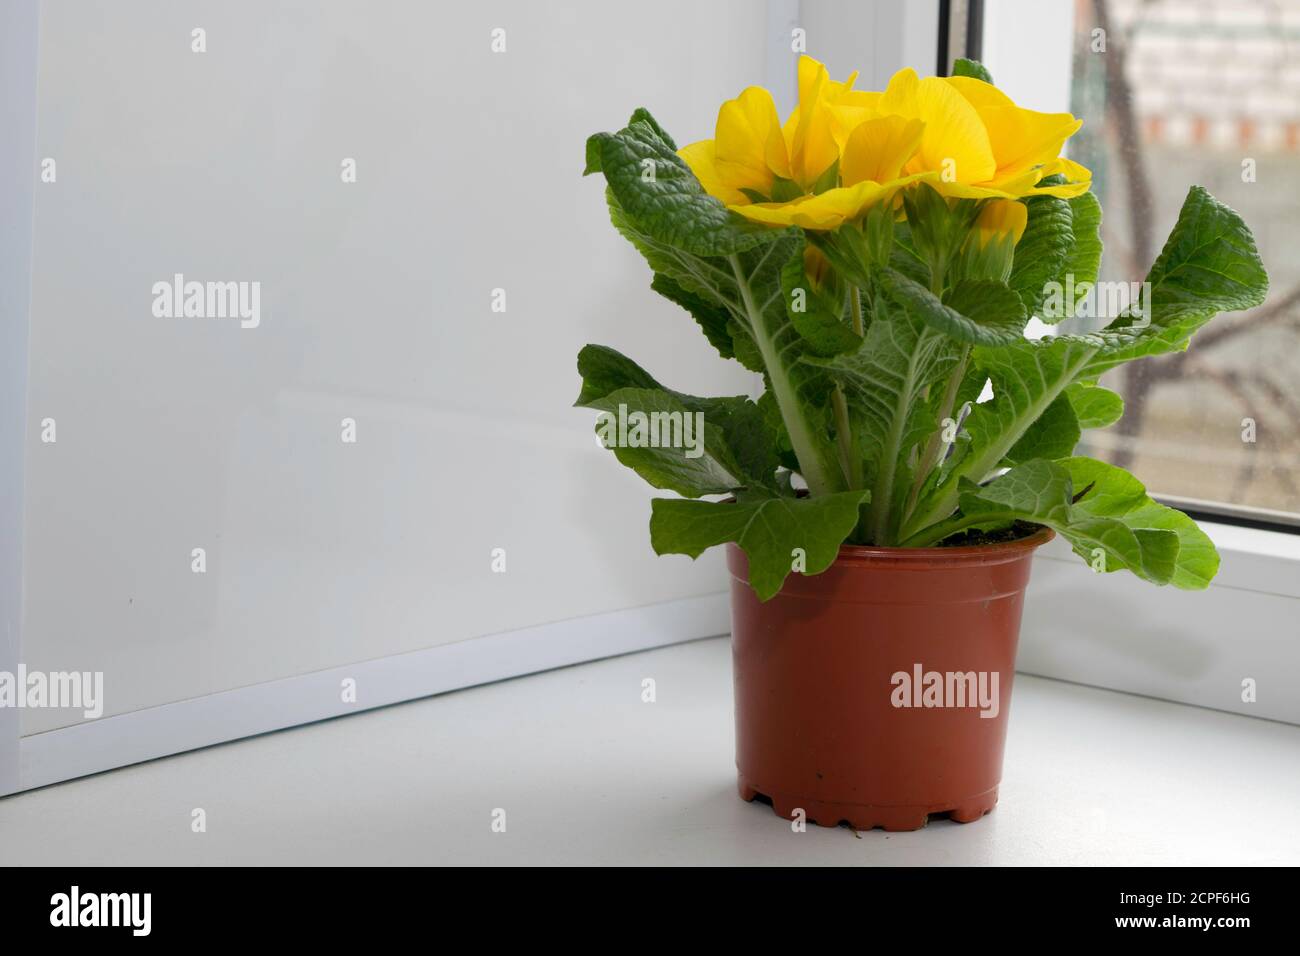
{"x": 888, "y": 380}
{"x": 1112, "y": 493}
{"x": 744, "y": 450}
{"x": 748, "y": 286}
{"x": 1043, "y": 492}
{"x": 767, "y": 526}
{"x": 1078, "y": 272}
{"x": 661, "y": 196}
{"x": 1209, "y": 263}
{"x": 1042, "y": 251}
{"x": 713, "y": 318}
{"x": 819, "y": 318}
{"x": 702, "y": 465}
{"x": 978, "y": 311}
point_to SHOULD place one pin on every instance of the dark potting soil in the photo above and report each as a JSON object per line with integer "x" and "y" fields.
{"x": 973, "y": 538}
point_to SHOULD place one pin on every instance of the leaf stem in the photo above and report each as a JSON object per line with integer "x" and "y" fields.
{"x": 821, "y": 480}
{"x": 933, "y": 454}
{"x": 855, "y": 307}
{"x": 937, "y": 532}
{"x": 944, "y": 502}
{"x": 850, "y": 460}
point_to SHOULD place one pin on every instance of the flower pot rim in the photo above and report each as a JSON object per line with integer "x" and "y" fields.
{"x": 976, "y": 553}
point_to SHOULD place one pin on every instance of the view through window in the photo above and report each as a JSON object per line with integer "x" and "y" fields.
{"x": 1175, "y": 93}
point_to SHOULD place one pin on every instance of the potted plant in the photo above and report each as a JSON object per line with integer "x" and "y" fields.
{"x": 876, "y": 259}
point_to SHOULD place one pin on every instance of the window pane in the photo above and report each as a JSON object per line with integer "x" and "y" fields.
{"x": 1175, "y": 93}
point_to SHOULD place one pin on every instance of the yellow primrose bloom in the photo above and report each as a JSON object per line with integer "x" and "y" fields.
{"x": 870, "y": 174}
{"x": 961, "y": 135}
{"x": 752, "y": 158}
{"x": 981, "y": 143}
{"x": 751, "y": 149}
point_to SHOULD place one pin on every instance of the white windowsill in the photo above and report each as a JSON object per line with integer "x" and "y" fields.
{"x": 1194, "y": 647}
{"x": 587, "y": 773}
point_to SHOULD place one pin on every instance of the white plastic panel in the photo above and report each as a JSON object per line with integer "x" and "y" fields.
{"x": 375, "y": 304}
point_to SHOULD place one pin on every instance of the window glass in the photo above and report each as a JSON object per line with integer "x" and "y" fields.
{"x": 1174, "y": 93}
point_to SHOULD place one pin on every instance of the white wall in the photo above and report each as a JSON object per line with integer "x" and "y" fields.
{"x": 177, "y": 433}
{"x": 19, "y": 21}
{"x": 1028, "y": 47}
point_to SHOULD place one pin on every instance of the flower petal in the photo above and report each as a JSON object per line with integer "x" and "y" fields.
{"x": 831, "y": 209}
{"x": 701, "y": 158}
{"x": 749, "y": 148}
{"x": 877, "y": 149}
{"x": 954, "y": 139}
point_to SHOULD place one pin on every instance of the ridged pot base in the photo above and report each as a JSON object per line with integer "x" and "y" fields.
{"x": 864, "y": 817}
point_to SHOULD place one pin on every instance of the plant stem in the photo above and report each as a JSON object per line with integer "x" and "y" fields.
{"x": 812, "y": 465}
{"x": 937, "y": 532}
{"x": 933, "y": 454}
{"x": 975, "y": 466}
{"x": 891, "y": 450}
{"x": 850, "y": 454}
{"x": 850, "y": 460}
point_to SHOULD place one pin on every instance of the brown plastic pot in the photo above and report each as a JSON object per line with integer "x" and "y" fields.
{"x": 825, "y": 725}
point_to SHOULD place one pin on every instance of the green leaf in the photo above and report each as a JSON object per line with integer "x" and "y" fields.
{"x": 714, "y": 319}
{"x": 767, "y": 526}
{"x": 817, "y": 317}
{"x": 1052, "y": 435}
{"x": 1042, "y": 251}
{"x": 744, "y": 448}
{"x": 661, "y": 196}
{"x": 1116, "y": 495}
{"x": 1028, "y": 376}
{"x": 1038, "y": 491}
{"x": 998, "y": 316}
{"x": 1043, "y": 491}
{"x": 748, "y": 286}
{"x": 605, "y": 370}
{"x": 800, "y": 390}
{"x": 660, "y": 439}
{"x": 774, "y": 425}
{"x": 972, "y": 68}
{"x": 1209, "y": 265}
{"x": 887, "y": 380}
{"x": 642, "y": 115}
{"x": 1094, "y": 406}
{"x": 1078, "y": 272}
{"x": 905, "y": 258}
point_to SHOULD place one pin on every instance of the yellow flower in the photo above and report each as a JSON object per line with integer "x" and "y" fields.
{"x": 959, "y": 134}
{"x": 768, "y": 172}
{"x": 981, "y": 143}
